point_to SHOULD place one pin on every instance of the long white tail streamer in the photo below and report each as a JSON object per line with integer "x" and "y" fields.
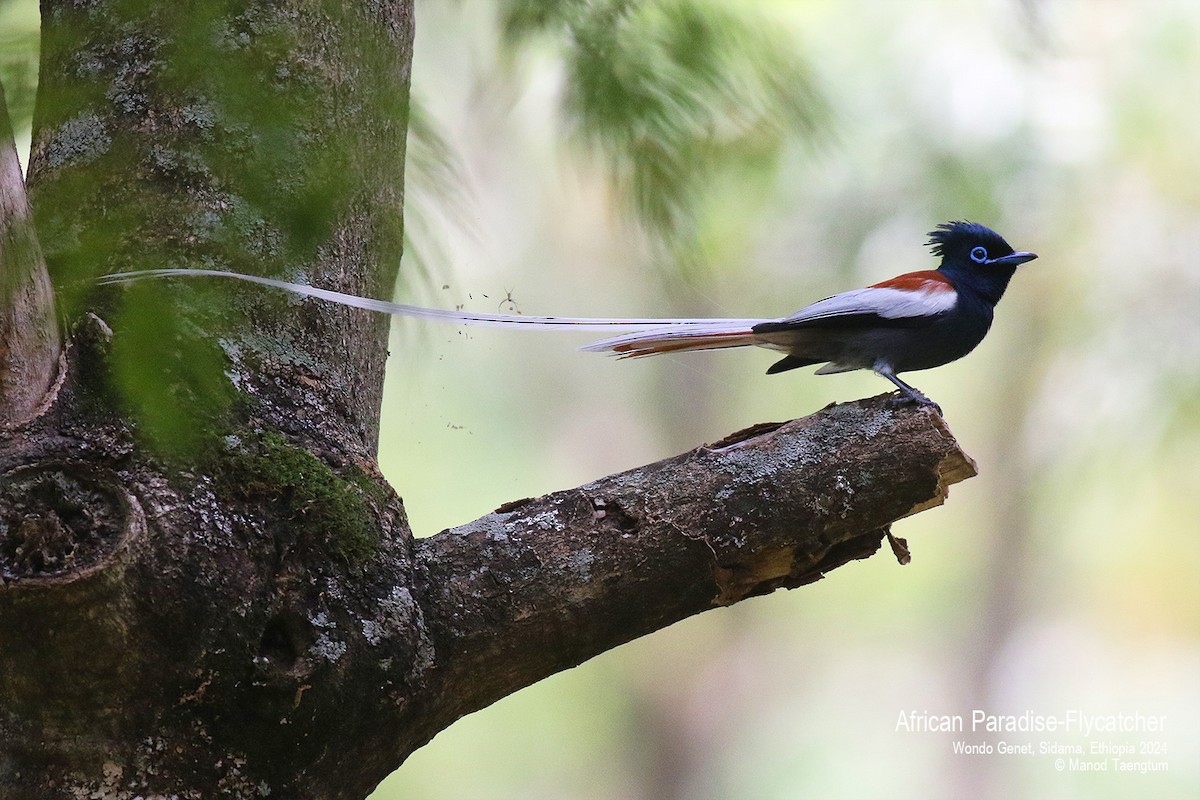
{"x": 442, "y": 315}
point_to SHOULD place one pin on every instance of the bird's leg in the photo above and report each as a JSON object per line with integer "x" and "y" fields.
{"x": 910, "y": 393}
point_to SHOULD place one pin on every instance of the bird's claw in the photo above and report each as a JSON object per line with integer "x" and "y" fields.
{"x": 916, "y": 398}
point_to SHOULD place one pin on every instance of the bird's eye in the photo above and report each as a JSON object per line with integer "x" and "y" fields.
{"x": 978, "y": 255}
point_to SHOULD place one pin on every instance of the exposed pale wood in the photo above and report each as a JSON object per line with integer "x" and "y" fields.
{"x": 29, "y": 341}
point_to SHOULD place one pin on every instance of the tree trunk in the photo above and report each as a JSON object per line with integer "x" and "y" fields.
{"x": 206, "y": 587}
{"x": 29, "y": 343}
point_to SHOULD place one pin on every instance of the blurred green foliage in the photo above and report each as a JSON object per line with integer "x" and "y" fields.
{"x": 434, "y": 188}
{"x": 18, "y": 73}
{"x": 170, "y": 377}
{"x": 18, "y": 61}
{"x": 673, "y": 93}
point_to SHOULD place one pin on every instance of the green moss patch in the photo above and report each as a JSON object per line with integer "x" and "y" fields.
{"x": 326, "y": 510}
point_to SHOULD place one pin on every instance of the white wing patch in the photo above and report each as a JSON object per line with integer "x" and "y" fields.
{"x": 882, "y": 301}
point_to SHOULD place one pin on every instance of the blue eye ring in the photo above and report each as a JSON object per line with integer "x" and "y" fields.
{"x": 978, "y": 255}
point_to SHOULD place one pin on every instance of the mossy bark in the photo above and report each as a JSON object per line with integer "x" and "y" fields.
{"x": 261, "y": 137}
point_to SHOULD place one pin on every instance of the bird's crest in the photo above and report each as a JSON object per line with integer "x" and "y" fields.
{"x": 951, "y": 236}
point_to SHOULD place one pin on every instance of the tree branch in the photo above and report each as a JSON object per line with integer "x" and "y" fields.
{"x": 29, "y": 343}
{"x": 541, "y": 585}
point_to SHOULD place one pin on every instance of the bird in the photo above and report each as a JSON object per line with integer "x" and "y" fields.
{"x": 912, "y": 322}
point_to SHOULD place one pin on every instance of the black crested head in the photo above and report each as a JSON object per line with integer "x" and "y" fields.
{"x": 957, "y": 240}
{"x": 976, "y": 257}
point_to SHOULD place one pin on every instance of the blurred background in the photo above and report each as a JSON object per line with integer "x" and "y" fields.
{"x": 743, "y": 159}
{"x": 1064, "y": 577}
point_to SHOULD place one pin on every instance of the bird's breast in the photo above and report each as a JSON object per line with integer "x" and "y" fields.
{"x": 946, "y": 338}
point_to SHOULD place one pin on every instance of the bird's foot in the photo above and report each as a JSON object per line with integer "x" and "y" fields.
{"x": 908, "y": 394}
{"x": 915, "y": 398}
